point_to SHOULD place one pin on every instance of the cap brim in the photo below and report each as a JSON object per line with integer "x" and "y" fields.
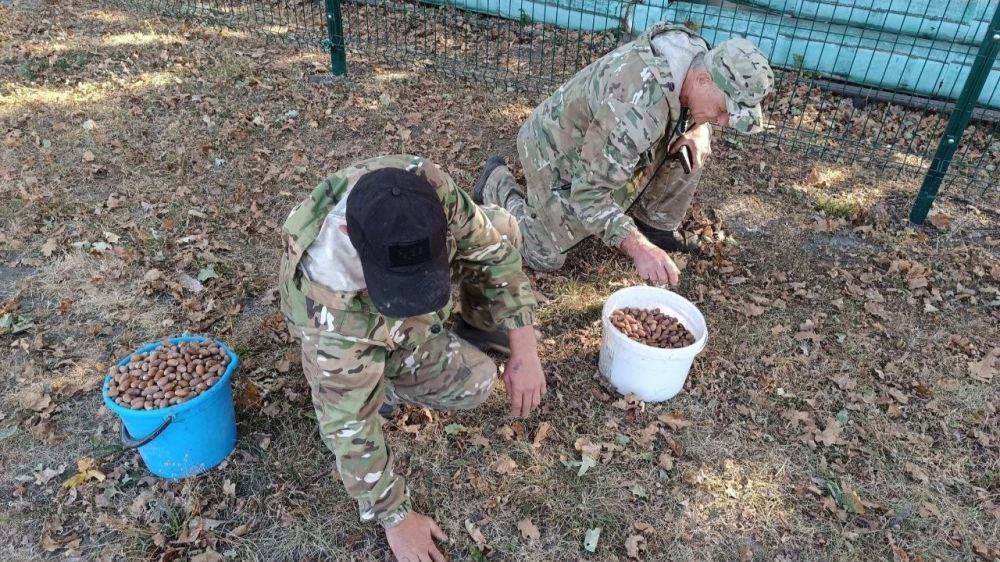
{"x": 747, "y": 120}
{"x": 413, "y": 293}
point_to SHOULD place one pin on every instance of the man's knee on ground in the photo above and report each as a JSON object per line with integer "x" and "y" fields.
{"x": 543, "y": 262}
{"x": 480, "y": 378}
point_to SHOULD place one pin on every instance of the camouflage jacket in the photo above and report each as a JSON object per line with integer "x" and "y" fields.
{"x": 605, "y": 126}
{"x": 345, "y": 320}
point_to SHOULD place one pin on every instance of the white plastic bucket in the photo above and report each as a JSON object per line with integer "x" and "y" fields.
{"x": 651, "y": 373}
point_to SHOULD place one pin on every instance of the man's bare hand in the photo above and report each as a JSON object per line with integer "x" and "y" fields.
{"x": 412, "y": 540}
{"x": 699, "y": 141}
{"x": 523, "y": 374}
{"x": 652, "y": 263}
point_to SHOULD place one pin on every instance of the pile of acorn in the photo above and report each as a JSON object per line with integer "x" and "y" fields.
{"x": 167, "y": 375}
{"x": 651, "y": 327}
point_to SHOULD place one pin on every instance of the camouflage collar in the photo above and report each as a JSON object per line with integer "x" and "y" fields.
{"x": 304, "y": 222}
{"x": 656, "y": 62}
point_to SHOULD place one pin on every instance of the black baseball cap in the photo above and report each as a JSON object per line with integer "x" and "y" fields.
{"x": 396, "y": 222}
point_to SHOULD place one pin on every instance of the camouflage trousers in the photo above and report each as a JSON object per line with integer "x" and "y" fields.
{"x": 442, "y": 372}
{"x": 666, "y": 193}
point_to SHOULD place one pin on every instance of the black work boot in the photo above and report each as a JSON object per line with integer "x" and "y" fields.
{"x": 480, "y": 186}
{"x": 669, "y": 240}
{"x": 388, "y": 410}
{"x": 485, "y": 341}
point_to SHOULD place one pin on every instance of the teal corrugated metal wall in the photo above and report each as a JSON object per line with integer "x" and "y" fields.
{"x": 924, "y": 47}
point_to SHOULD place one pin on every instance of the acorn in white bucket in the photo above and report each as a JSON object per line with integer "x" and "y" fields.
{"x": 651, "y": 327}
{"x": 652, "y": 372}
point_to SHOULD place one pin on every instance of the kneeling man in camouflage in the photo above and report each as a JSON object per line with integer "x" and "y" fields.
{"x": 365, "y": 286}
{"x": 597, "y": 149}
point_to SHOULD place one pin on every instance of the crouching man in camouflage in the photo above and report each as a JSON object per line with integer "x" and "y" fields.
{"x": 365, "y": 285}
{"x": 598, "y": 147}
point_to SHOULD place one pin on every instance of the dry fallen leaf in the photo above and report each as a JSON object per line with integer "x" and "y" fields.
{"x": 190, "y": 283}
{"x": 528, "y": 529}
{"x": 830, "y": 435}
{"x": 898, "y": 396}
{"x": 541, "y": 434}
{"x": 248, "y": 396}
{"x": 48, "y": 247}
{"x": 207, "y": 556}
{"x": 504, "y": 465}
{"x": 43, "y": 476}
{"x": 939, "y": 220}
{"x": 845, "y": 382}
{"x": 674, "y": 422}
{"x": 35, "y": 400}
{"x": 587, "y": 447}
{"x": 876, "y": 310}
{"x": 666, "y": 461}
{"x": 852, "y": 502}
{"x": 916, "y": 473}
{"x": 985, "y": 369}
{"x": 86, "y": 470}
{"x": 750, "y": 309}
{"x": 476, "y": 534}
{"x": 633, "y": 544}
{"x": 984, "y": 551}
{"x": 928, "y": 509}
{"x": 519, "y": 431}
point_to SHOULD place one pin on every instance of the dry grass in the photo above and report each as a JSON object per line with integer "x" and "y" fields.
{"x": 138, "y": 143}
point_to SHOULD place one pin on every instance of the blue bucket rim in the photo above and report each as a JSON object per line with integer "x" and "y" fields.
{"x": 234, "y": 361}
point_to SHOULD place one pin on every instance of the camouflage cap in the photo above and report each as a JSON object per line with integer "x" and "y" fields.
{"x": 740, "y": 70}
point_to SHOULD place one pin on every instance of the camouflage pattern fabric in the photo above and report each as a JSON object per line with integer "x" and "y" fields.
{"x": 595, "y": 146}
{"x": 590, "y": 149}
{"x": 353, "y": 357}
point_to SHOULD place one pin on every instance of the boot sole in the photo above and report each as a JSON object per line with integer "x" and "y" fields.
{"x": 480, "y": 185}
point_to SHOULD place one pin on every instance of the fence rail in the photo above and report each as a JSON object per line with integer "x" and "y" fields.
{"x": 870, "y": 81}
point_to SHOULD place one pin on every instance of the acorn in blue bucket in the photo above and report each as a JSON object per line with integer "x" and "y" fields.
{"x": 175, "y": 400}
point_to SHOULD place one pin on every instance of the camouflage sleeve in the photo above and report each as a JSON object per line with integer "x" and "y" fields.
{"x": 620, "y": 132}
{"x": 492, "y": 262}
{"x": 347, "y": 389}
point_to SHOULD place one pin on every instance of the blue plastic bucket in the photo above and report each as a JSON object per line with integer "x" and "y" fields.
{"x": 187, "y": 438}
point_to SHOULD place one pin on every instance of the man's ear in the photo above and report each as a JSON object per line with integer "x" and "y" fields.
{"x": 704, "y": 78}
{"x": 343, "y": 228}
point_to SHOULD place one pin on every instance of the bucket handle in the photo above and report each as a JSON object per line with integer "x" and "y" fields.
{"x": 129, "y": 442}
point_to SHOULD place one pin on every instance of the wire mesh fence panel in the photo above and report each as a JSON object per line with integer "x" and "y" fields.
{"x": 865, "y": 81}
{"x": 300, "y": 21}
{"x": 519, "y": 53}
{"x": 872, "y": 82}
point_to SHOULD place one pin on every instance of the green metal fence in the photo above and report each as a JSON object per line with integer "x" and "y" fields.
{"x": 873, "y": 82}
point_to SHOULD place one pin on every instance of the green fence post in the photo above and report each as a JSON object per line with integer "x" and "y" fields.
{"x": 959, "y": 120}
{"x": 335, "y": 38}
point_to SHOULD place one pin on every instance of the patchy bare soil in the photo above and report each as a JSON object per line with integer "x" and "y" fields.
{"x": 845, "y": 407}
